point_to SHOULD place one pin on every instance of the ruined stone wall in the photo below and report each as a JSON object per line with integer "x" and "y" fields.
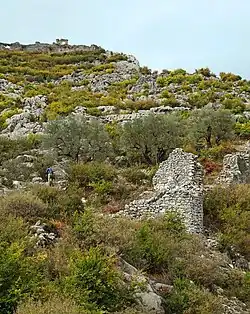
{"x": 46, "y": 48}
{"x": 178, "y": 186}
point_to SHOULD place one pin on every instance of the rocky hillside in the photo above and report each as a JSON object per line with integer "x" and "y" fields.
{"x": 41, "y": 81}
{"x": 148, "y": 208}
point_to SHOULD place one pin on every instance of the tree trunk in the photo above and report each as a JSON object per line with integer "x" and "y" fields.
{"x": 146, "y": 156}
{"x": 161, "y": 154}
{"x": 209, "y": 136}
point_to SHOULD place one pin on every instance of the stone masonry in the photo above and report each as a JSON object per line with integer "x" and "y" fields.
{"x": 178, "y": 186}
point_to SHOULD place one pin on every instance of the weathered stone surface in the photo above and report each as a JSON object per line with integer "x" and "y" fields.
{"x": 233, "y": 306}
{"x": 151, "y": 302}
{"x": 145, "y": 295}
{"x": 42, "y": 234}
{"x": 37, "y": 180}
{"x": 178, "y": 186}
{"x": 27, "y": 121}
{"x": 10, "y": 89}
{"x": 236, "y": 169}
{"x": 25, "y": 158}
{"x": 61, "y": 45}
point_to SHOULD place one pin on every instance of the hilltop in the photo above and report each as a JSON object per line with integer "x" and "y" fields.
{"x": 101, "y": 82}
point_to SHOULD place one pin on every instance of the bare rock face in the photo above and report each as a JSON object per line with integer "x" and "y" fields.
{"x": 178, "y": 186}
{"x": 236, "y": 169}
{"x": 27, "y": 121}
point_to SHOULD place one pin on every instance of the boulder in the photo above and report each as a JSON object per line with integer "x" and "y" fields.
{"x": 145, "y": 295}
{"x": 236, "y": 169}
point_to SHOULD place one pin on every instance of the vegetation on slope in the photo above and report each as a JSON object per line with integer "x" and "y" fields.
{"x": 109, "y": 165}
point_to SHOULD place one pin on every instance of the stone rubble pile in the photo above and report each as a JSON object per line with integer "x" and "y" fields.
{"x": 42, "y": 235}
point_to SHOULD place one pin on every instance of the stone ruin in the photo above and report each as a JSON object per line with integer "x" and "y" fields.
{"x": 236, "y": 168}
{"x": 178, "y": 186}
{"x": 60, "y": 46}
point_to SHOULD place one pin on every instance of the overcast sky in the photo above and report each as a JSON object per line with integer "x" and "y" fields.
{"x": 162, "y": 34}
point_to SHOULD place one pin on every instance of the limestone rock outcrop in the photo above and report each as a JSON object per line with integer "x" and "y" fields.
{"x": 236, "y": 168}
{"x": 28, "y": 120}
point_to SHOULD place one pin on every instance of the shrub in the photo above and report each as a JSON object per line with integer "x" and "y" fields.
{"x": 236, "y": 105}
{"x": 229, "y": 208}
{"x": 20, "y": 275}
{"x": 94, "y": 280}
{"x": 194, "y": 78}
{"x": 7, "y": 114}
{"x": 85, "y": 174}
{"x": 205, "y": 72}
{"x": 145, "y": 70}
{"x": 54, "y": 305}
{"x": 94, "y": 112}
{"x": 13, "y": 170}
{"x": 61, "y": 204}
{"x": 186, "y": 297}
{"x": 24, "y": 205}
{"x": 217, "y": 153}
{"x": 229, "y": 77}
{"x": 135, "y": 175}
{"x": 242, "y": 130}
{"x": 198, "y": 100}
{"x": 210, "y": 166}
{"x": 156, "y": 244}
{"x": 13, "y": 229}
{"x": 10, "y": 149}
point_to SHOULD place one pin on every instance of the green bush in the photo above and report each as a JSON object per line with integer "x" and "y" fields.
{"x": 236, "y": 105}
{"x": 13, "y": 171}
{"x": 242, "y": 130}
{"x": 87, "y": 174}
{"x": 135, "y": 175}
{"x": 54, "y": 305}
{"x": 217, "y": 153}
{"x": 186, "y": 297}
{"x": 205, "y": 72}
{"x": 229, "y": 77}
{"x": 25, "y": 205}
{"x": 94, "y": 280}
{"x": 198, "y": 100}
{"x": 61, "y": 204}
{"x": 228, "y": 208}
{"x": 157, "y": 244}
{"x": 94, "y": 112}
{"x": 13, "y": 229}
{"x": 10, "y": 149}
{"x": 21, "y": 276}
{"x": 8, "y": 114}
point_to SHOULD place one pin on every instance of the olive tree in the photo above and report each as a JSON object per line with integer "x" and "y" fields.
{"x": 151, "y": 138}
{"x": 209, "y": 126}
{"x": 77, "y": 138}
